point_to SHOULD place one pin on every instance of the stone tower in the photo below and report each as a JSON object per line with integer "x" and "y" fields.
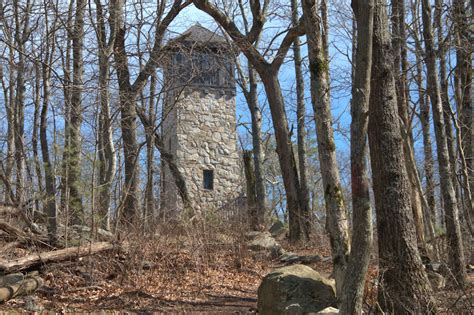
{"x": 199, "y": 124}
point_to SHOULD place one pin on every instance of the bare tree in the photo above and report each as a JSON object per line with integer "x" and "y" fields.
{"x": 106, "y": 148}
{"x": 400, "y": 72}
{"x": 269, "y": 74}
{"x": 301, "y": 129}
{"x": 404, "y": 286}
{"x": 463, "y": 91}
{"x": 249, "y": 88}
{"x": 453, "y": 230}
{"x": 46, "y": 70}
{"x": 337, "y": 223}
{"x": 73, "y": 147}
{"x": 129, "y": 92}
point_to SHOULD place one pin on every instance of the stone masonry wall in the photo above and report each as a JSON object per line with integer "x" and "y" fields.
{"x": 204, "y": 131}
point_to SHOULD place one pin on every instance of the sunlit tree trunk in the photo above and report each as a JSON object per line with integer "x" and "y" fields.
{"x": 337, "y": 223}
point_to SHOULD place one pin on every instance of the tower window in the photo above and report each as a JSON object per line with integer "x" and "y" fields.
{"x": 208, "y": 179}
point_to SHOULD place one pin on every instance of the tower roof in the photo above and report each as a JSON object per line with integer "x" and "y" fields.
{"x": 201, "y": 36}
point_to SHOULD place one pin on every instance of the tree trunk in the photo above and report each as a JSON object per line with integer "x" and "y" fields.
{"x": 400, "y": 73}
{"x": 453, "y": 230}
{"x": 21, "y": 37}
{"x": 9, "y": 98}
{"x": 463, "y": 35}
{"x": 337, "y": 223}
{"x": 75, "y": 206}
{"x": 50, "y": 185}
{"x": 107, "y": 158}
{"x": 256, "y": 117}
{"x": 34, "y": 136}
{"x": 301, "y": 131}
{"x": 251, "y": 191}
{"x": 149, "y": 191}
{"x": 404, "y": 287}
{"x": 362, "y": 234}
{"x": 430, "y": 214}
{"x": 285, "y": 152}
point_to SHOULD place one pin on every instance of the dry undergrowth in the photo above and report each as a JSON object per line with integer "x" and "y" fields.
{"x": 199, "y": 270}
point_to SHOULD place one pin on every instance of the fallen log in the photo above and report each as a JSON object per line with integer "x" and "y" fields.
{"x": 39, "y": 259}
{"x": 18, "y": 285}
{"x": 17, "y": 233}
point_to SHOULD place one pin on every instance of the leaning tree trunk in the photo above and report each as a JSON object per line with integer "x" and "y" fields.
{"x": 362, "y": 237}
{"x": 453, "y": 230}
{"x": 337, "y": 223}
{"x": 285, "y": 152}
{"x": 404, "y": 286}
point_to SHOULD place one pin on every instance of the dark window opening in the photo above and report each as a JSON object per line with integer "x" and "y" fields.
{"x": 208, "y": 179}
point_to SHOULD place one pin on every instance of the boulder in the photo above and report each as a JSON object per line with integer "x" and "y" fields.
{"x": 277, "y": 229}
{"x": 264, "y": 241}
{"x": 328, "y": 311}
{"x": 295, "y": 289}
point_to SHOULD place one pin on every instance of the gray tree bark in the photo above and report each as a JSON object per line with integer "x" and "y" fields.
{"x": 75, "y": 206}
{"x": 301, "y": 129}
{"x": 50, "y": 185}
{"x": 362, "y": 232}
{"x": 404, "y": 286}
{"x": 337, "y": 222}
{"x": 463, "y": 74}
{"x": 453, "y": 230}
{"x": 106, "y": 150}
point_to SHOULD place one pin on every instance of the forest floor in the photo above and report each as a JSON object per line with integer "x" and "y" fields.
{"x": 179, "y": 275}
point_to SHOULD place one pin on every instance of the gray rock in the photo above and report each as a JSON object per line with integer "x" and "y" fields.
{"x": 329, "y": 310}
{"x": 295, "y": 289}
{"x": 277, "y": 229}
{"x": 263, "y": 241}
